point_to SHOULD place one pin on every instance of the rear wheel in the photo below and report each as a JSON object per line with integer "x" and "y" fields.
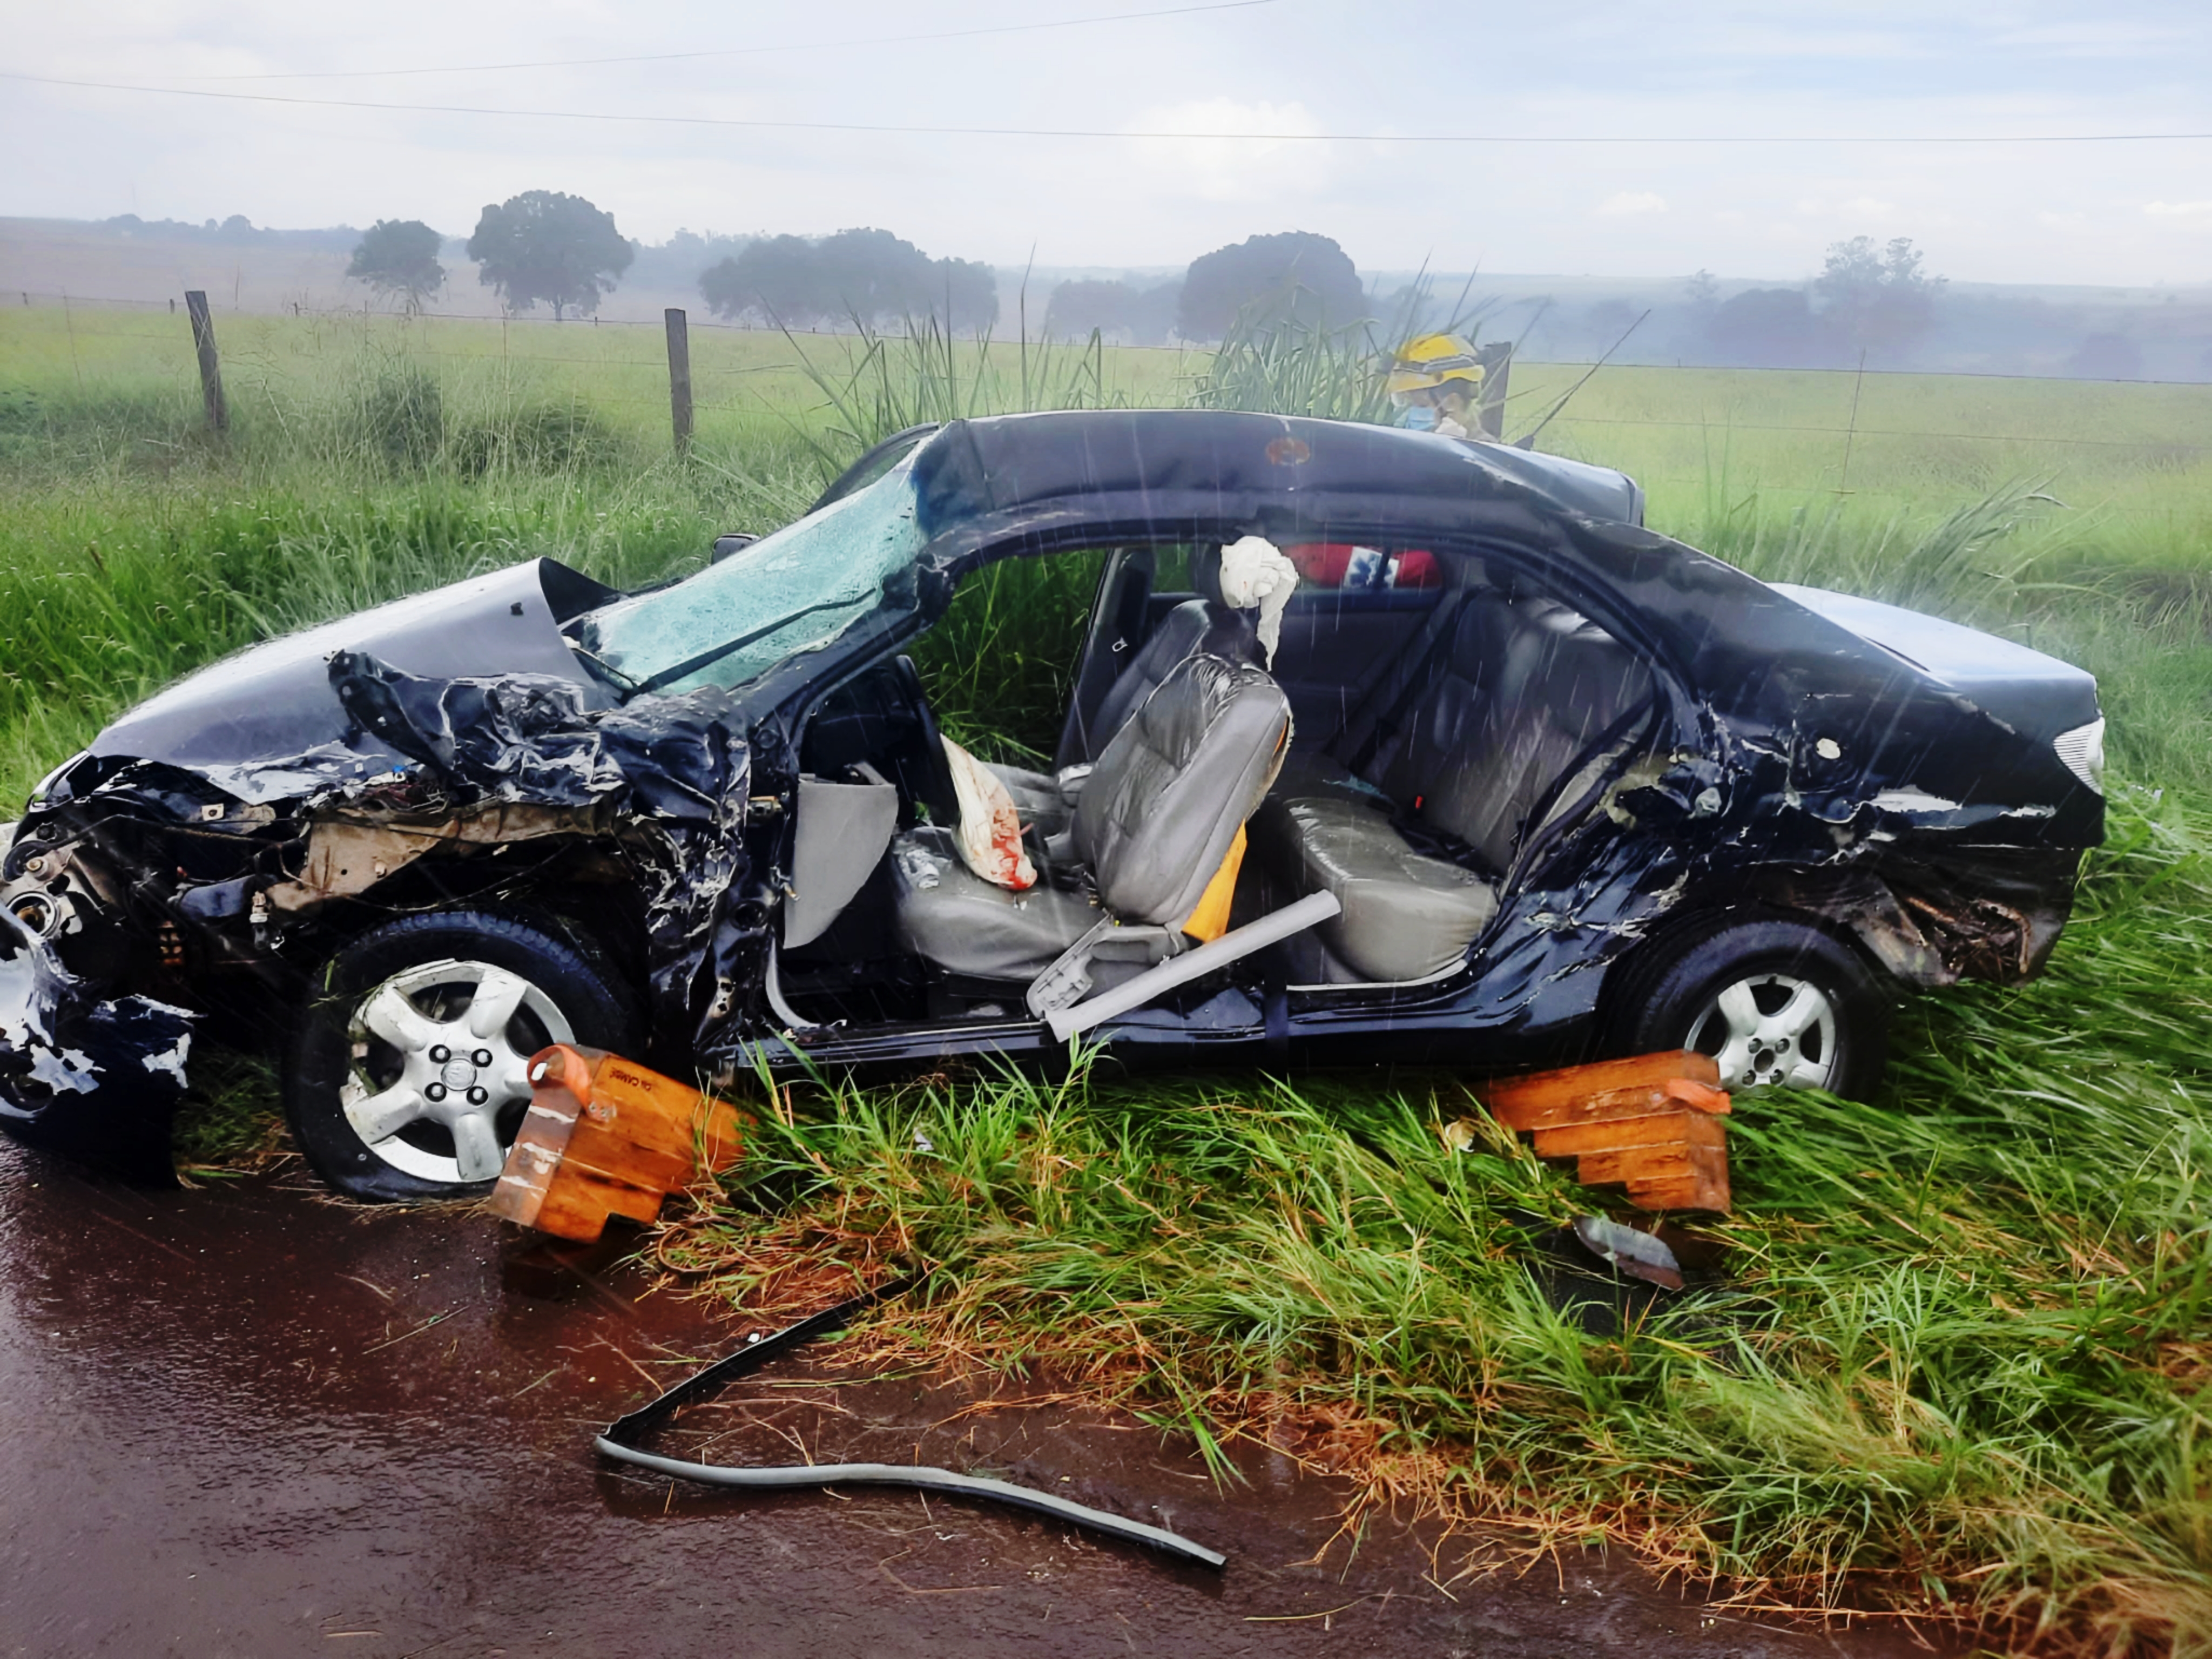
{"x": 1773, "y": 1002}
{"x": 406, "y": 1080}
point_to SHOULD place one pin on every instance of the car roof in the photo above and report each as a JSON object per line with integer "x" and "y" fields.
{"x": 1001, "y": 465}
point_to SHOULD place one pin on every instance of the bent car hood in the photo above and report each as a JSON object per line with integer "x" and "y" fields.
{"x": 275, "y": 699}
{"x": 2038, "y": 697}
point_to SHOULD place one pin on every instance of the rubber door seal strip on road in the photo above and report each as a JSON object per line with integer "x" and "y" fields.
{"x": 616, "y": 1442}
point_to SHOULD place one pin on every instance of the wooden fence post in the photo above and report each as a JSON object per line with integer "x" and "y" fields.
{"x": 679, "y": 378}
{"x": 218, "y": 412}
{"x": 1496, "y": 360}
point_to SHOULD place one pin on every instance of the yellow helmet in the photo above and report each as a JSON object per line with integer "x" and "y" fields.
{"x": 1430, "y": 361}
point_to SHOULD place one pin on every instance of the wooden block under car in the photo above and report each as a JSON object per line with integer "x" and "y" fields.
{"x": 1675, "y": 1128}
{"x": 1704, "y": 1187}
{"x": 1574, "y": 1093}
{"x": 1656, "y": 1124}
{"x": 604, "y": 1136}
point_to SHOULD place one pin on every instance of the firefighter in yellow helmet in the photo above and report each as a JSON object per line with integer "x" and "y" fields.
{"x": 1436, "y": 380}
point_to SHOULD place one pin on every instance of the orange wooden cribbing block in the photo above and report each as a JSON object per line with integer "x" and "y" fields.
{"x": 1655, "y": 1124}
{"x": 604, "y": 1136}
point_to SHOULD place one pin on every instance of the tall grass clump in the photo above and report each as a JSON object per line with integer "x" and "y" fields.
{"x": 921, "y": 375}
{"x": 1293, "y": 367}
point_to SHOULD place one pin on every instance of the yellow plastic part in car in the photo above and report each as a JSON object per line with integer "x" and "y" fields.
{"x": 1210, "y": 921}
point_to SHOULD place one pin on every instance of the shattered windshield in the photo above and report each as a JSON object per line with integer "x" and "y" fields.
{"x": 796, "y": 590}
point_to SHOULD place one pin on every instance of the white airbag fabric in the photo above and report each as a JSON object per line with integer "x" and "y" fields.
{"x": 1254, "y": 572}
{"x": 989, "y": 838}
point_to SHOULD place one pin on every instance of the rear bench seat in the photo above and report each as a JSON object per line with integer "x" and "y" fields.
{"x": 1521, "y": 689}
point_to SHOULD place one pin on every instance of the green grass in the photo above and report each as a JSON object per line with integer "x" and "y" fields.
{"x": 1960, "y": 1362}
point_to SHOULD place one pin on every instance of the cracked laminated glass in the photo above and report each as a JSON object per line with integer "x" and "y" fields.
{"x": 794, "y": 591}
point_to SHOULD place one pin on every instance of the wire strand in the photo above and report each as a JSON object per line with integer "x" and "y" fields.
{"x": 737, "y": 51}
{"x": 920, "y": 130}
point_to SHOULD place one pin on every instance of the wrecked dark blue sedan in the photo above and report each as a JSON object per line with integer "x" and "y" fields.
{"x": 1504, "y": 780}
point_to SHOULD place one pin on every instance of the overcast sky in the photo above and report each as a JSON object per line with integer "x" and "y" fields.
{"x": 2131, "y": 213}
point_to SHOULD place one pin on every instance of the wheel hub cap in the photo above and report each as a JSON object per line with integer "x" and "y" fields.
{"x": 1770, "y": 1028}
{"x": 453, "y": 1039}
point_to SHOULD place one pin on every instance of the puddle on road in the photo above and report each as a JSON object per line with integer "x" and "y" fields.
{"x": 251, "y": 1420}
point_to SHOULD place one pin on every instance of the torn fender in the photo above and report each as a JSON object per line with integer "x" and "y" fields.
{"x": 96, "y": 1079}
{"x": 670, "y": 774}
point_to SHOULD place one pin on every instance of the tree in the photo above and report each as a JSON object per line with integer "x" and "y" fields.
{"x": 968, "y": 290}
{"x": 399, "y": 256}
{"x": 1118, "y": 310}
{"x": 1878, "y": 299}
{"x": 544, "y": 246}
{"x": 867, "y": 276}
{"x": 1296, "y": 275}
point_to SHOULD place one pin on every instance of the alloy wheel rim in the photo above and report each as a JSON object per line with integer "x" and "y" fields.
{"x": 1769, "y": 1029}
{"x": 439, "y": 1068}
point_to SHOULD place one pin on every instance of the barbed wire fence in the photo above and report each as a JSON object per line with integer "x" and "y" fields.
{"x": 642, "y": 364}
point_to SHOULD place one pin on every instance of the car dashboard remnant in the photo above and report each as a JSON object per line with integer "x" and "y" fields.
{"x": 1521, "y": 782}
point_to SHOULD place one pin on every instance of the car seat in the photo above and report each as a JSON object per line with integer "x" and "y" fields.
{"x": 1152, "y": 827}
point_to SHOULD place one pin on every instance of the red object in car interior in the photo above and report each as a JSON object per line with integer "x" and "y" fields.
{"x": 1323, "y": 564}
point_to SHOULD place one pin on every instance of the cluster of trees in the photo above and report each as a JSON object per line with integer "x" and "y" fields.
{"x": 1267, "y": 279}
{"x": 236, "y": 231}
{"x": 869, "y": 276}
{"x": 1878, "y": 299}
{"x": 1872, "y": 301}
{"x": 1878, "y": 302}
{"x": 545, "y": 247}
{"x": 539, "y": 247}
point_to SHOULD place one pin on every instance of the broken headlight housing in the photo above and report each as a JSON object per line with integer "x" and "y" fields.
{"x": 2083, "y": 750}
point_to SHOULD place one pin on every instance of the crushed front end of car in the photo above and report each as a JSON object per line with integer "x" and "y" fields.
{"x": 142, "y": 897}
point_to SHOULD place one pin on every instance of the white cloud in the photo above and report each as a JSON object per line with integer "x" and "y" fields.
{"x": 1627, "y": 202}
{"x": 2179, "y": 209}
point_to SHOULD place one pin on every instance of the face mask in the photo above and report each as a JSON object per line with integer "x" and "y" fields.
{"x": 1419, "y": 417}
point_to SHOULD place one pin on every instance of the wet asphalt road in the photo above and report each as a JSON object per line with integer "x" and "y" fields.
{"x": 248, "y": 1421}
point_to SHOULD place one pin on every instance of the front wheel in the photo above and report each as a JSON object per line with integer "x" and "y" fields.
{"x": 1773, "y": 1002}
{"x": 407, "y": 1078}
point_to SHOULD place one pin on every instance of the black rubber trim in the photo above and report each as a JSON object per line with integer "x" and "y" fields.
{"x": 615, "y": 1442}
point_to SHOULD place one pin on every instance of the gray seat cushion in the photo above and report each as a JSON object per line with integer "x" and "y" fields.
{"x": 954, "y": 918}
{"x": 1405, "y": 915}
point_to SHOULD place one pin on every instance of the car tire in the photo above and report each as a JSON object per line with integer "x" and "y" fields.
{"x": 399, "y": 1086}
{"x": 1774, "y": 1001}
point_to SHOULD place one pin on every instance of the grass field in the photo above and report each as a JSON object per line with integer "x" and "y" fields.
{"x": 1960, "y": 1366}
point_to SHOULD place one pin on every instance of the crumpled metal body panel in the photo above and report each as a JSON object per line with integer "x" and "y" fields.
{"x": 94, "y": 1078}
{"x": 273, "y": 699}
